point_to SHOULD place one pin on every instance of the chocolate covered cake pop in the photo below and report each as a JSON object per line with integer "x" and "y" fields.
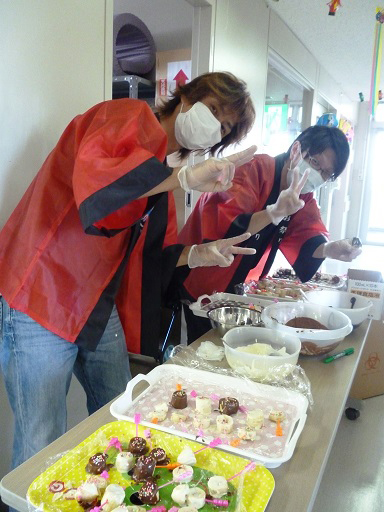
{"x": 138, "y": 446}
{"x": 149, "y": 494}
{"x": 97, "y": 464}
{"x": 160, "y": 456}
{"x": 179, "y": 399}
{"x": 228, "y": 406}
{"x": 144, "y": 468}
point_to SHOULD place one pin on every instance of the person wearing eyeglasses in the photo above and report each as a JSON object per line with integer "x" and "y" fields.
{"x": 272, "y": 198}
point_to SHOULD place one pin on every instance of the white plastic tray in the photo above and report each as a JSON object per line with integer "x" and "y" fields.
{"x": 200, "y": 308}
{"x": 163, "y": 380}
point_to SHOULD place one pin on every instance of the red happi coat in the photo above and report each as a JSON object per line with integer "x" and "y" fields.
{"x": 64, "y": 251}
{"x": 226, "y": 214}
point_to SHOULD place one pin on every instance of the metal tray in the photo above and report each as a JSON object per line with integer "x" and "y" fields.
{"x": 162, "y": 381}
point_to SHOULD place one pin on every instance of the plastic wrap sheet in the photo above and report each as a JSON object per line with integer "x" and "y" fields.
{"x": 249, "y": 430}
{"x": 286, "y": 376}
{"x": 54, "y": 490}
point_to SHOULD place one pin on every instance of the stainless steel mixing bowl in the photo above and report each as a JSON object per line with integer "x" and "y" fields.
{"x": 226, "y": 317}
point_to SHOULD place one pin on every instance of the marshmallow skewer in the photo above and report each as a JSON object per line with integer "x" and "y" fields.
{"x": 212, "y": 444}
{"x": 172, "y": 465}
{"x": 220, "y": 503}
{"x": 148, "y": 436}
{"x": 248, "y": 467}
{"x": 137, "y": 421}
{"x": 187, "y": 473}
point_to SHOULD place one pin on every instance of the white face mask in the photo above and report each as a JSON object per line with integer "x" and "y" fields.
{"x": 197, "y": 128}
{"x": 314, "y": 180}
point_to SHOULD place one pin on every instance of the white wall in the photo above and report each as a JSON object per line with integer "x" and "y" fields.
{"x": 240, "y": 46}
{"x": 56, "y": 63}
{"x": 52, "y": 68}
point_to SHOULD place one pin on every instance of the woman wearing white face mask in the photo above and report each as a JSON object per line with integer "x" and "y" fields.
{"x": 272, "y": 198}
{"x": 90, "y": 250}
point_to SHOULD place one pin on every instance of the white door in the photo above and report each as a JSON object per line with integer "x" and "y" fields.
{"x": 372, "y": 219}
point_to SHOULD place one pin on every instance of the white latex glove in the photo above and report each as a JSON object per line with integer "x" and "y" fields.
{"x": 214, "y": 174}
{"x": 219, "y": 252}
{"x": 288, "y": 201}
{"x": 342, "y": 250}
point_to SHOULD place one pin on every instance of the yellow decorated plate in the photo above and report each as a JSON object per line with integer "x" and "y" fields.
{"x": 53, "y": 490}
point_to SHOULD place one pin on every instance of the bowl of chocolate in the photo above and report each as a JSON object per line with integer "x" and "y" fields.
{"x": 320, "y": 328}
{"x": 357, "y": 308}
{"x": 226, "y": 317}
{"x": 257, "y": 351}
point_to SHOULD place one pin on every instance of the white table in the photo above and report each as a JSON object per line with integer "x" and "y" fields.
{"x": 297, "y": 480}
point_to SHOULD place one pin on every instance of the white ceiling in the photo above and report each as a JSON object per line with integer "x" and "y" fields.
{"x": 343, "y": 44}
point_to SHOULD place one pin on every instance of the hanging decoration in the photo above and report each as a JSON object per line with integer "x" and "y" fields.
{"x": 328, "y": 119}
{"x": 333, "y": 6}
{"x": 376, "y": 62}
{"x": 347, "y": 128}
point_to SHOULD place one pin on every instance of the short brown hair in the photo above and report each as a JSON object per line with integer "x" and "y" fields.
{"x": 233, "y": 95}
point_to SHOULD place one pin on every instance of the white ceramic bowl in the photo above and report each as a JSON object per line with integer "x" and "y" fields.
{"x": 342, "y": 302}
{"x": 257, "y": 366}
{"x": 313, "y": 341}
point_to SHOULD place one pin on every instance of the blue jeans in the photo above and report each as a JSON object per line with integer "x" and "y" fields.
{"x": 37, "y": 367}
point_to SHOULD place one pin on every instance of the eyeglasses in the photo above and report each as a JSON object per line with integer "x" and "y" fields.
{"x": 326, "y": 175}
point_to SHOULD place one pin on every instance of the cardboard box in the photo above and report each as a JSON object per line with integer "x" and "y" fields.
{"x": 368, "y": 283}
{"x": 369, "y": 378}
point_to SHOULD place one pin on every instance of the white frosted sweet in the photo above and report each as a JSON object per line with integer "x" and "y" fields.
{"x": 180, "y": 493}
{"x": 183, "y": 473}
{"x": 224, "y": 424}
{"x": 255, "y": 418}
{"x": 87, "y": 492}
{"x": 124, "y": 462}
{"x": 202, "y": 422}
{"x": 196, "y": 498}
{"x": 186, "y": 456}
{"x": 113, "y": 497}
{"x": 276, "y": 415}
{"x": 203, "y": 405}
{"x": 217, "y": 486}
{"x": 162, "y": 407}
{"x": 247, "y": 433}
{"x": 98, "y": 480}
{"x": 160, "y": 415}
{"x": 177, "y": 417}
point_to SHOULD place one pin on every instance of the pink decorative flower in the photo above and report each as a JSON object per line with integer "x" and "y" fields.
{"x": 115, "y": 443}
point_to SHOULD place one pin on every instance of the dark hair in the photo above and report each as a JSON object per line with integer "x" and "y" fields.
{"x": 231, "y": 92}
{"x": 317, "y": 139}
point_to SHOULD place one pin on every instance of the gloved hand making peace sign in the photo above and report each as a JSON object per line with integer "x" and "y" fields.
{"x": 219, "y": 252}
{"x": 288, "y": 201}
{"x": 214, "y": 174}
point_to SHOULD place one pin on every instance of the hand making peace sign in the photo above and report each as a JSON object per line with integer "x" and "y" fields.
{"x": 289, "y": 201}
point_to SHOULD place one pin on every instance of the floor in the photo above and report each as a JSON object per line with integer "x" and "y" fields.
{"x": 354, "y": 476}
{"x": 353, "y": 479}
